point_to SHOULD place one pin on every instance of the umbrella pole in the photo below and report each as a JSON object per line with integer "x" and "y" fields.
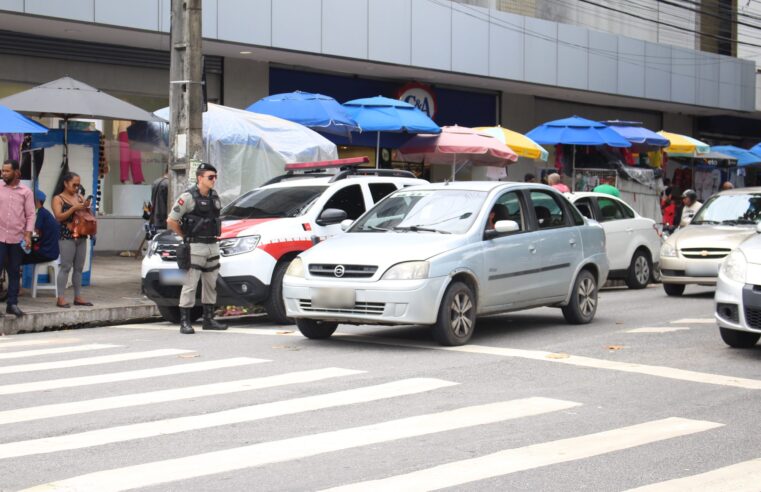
{"x": 66, "y": 140}
{"x": 454, "y": 163}
{"x": 573, "y": 169}
{"x": 377, "y": 152}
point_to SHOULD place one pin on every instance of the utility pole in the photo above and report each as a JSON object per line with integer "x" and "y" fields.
{"x": 185, "y": 96}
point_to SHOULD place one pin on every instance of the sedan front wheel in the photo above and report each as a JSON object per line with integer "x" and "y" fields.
{"x": 457, "y": 316}
{"x": 582, "y": 307}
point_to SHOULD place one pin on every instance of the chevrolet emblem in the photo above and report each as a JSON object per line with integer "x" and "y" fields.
{"x": 704, "y": 253}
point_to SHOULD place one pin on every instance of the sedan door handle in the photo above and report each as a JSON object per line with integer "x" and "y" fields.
{"x": 629, "y": 230}
{"x": 572, "y": 242}
{"x": 532, "y": 249}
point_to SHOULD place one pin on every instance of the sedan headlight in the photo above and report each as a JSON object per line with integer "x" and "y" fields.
{"x": 296, "y": 268}
{"x": 668, "y": 250}
{"x": 411, "y": 270}
{"x": 238, "y": 245}
{"x": 735, "y": 266}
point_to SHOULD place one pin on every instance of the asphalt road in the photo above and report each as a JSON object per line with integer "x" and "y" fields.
{"x": 646, "y": 394}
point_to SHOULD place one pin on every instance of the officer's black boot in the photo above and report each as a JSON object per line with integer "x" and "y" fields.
{"x": 209, "y": 323}
{"x": 185, "y": 327}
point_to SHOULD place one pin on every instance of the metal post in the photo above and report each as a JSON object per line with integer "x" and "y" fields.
{"x": 185, "y": 94}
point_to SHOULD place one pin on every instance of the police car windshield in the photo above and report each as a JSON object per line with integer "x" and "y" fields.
{"x": 266, "y": 203}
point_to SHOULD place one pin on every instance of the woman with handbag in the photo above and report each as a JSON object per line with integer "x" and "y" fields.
{"x": 77, "y": 224}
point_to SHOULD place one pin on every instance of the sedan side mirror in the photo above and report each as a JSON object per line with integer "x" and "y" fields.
{"x": 331, "y": 216}
{"x": 345, "y": 224}
{"x": 502, "y": 227}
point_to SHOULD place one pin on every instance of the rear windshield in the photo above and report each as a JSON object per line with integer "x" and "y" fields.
{"x": 730, "y": 210}
{"x": 265, "y": 203}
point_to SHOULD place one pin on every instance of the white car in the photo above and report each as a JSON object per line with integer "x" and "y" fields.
{"x": 633, "y": 242}
{"x": 264, "y": 229}
{"x": 738, "y": 294}
{"x": 443, "y": 254}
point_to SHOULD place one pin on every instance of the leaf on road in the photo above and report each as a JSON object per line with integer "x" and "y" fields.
{"x": 286, "y": 347}
{"x": 615, "y": 347}
{"x": 557, "y": 356}
{"x": 189, "y": 356}
{"x": 284, "y": 332}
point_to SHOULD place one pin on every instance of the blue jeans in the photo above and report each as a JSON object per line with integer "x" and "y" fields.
{"x": 10, "y": 256}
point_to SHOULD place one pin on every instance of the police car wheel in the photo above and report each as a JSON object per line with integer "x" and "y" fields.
{"x": 314, "y": 329}
{"x": 274, "y": 304}
{"x": 172, "y": 313}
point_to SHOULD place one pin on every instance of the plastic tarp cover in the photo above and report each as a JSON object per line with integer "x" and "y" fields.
{"x": 250, "y": 148}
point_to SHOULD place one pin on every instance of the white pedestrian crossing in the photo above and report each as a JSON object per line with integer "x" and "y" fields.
{"x": 87, "y": 406}
{"x": 534, "y": 456}
{"x": 159, "y": 472}
{"x": 53, "y": 351}
{"x": 740, "y": 477}
{"x": 34, "y": 342}
{"x": 227, "y": 417}
{"x": 116, "y": 377}
{"x": 91, "y": 361}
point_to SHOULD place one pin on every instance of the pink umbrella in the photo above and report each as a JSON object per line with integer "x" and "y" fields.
{"x": 457, "y": 145}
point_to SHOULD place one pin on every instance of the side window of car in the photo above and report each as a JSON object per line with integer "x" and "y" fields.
{"x": 585, "y": 207}
{"x": 508, "y": 207}
{"x": 348, "y": 199}
{"x": 609, "y": 210}
{"x": 628, "y": 212}
{"x": 380, "y": 190}
{"x": 549, "y": 212}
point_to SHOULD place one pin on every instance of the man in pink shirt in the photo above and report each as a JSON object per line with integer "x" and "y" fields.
{"x": 17, "y": 216}
{"x": 554, "y": 181}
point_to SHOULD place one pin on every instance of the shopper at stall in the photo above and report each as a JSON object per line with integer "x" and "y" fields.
{"x": 727, "y": 185}
{"x": 690, "y": 208}
{"x": 195, "y": 218}
{"x": 669, "y": 209}
{"x": 554, "y": 181}
{"x": 16, "y": 225}
{"x": 47, "y": 233}
{"x": 73, "y": 246}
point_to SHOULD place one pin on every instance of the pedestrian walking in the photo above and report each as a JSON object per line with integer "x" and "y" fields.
{"x": 72, "y": 245}
{"x": 47, "y": 233}
{"x": 554, "y": 181}
{"x": 16, "y": 225}
{"x": 195, "y": 218}
{"x": 690, "y": 208}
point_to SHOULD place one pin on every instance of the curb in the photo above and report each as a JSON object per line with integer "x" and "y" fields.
{"x": 77, "y": 318}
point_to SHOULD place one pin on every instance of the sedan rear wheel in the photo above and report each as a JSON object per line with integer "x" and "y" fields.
{"x": 640, "y": 271}
{"x": 739, "y": 339}
{"x": 674, "y": 289}
{"x": 582, "y": 307}
{"x": 314, "y": 329}
{"x": 457, "y": 316}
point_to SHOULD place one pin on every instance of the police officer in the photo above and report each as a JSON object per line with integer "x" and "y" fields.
{"x": 195, "y": 218}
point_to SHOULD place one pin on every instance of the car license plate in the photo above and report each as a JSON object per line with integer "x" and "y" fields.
{"x": 708, "y": 269}
{"x": 172, "y": 277}
{"x": 332, "y": 298}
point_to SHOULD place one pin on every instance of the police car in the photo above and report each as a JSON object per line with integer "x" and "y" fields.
{"x": 265, "y": 228}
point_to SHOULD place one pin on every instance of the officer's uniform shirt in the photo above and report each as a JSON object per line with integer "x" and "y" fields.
{"x": 204, "y": 260}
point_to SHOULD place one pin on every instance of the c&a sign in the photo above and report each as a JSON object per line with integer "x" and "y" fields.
{"x": 419, "y": 95}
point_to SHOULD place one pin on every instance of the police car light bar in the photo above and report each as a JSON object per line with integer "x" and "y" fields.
{"x": 305, "y": 166}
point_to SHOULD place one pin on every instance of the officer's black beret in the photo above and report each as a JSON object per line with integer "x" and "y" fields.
{"x": 205, "y": 166}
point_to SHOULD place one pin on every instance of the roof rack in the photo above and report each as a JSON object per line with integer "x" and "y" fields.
{"x": 349, "y": 161}
{"x": 292, "y": 175}
{"x": 396, "y": 173}
{"x": 347, "y": 167}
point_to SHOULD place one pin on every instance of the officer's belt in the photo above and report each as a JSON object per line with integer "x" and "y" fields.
{"x": 204, "y": 269}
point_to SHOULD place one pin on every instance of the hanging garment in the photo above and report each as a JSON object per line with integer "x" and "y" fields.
{"x": 14, "y": 145}
{"x": 130, "y": 161}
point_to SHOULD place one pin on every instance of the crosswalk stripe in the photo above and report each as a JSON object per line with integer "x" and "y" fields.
{"x": 58, "y": 350}
{"x": 573, "y": 360}
{"x": 279, "y": 331}
{"x": 694, "y": 321}
{"x": 123, "y": 401}
{"x": 534, "y": 456}
{"x": 46, "y": 341}
{"x": 226, "y": 417}
{"x": 740, "y": 477}
{"x": 91, "y": 361}
{"x": 52, "y": 384}
{"x": 204, "y": 464}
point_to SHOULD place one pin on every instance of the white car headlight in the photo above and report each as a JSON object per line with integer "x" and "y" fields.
{"x": 734, "y": 266}
{"x": 668, "y": 250}
{"x": 296, "y": 268}
{"x": 411, "y": 270}
{"x": 238, "y": 245}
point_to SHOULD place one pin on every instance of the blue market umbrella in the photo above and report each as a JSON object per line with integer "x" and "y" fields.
{"x": 744, "y": 157}
{"x": 316, "y": 111}
{"x": 13, "y": 122}
{"x": 642, "y": 139}
{"x": 382, "y": 114}
{"x": 576, "y": 131}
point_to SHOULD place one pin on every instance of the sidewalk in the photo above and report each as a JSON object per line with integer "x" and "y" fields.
{"x": 114, "y": 290}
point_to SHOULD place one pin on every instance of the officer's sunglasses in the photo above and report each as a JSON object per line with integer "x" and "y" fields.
{"x": 211, "y": 177}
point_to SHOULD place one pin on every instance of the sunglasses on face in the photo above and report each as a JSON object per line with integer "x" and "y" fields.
{"x": 211, "y": 177}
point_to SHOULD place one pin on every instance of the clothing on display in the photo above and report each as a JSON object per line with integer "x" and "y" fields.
{"x": 130, "y": 161}
{"x": 14, "y": 145}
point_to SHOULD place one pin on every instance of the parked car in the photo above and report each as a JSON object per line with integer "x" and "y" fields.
{"x": 443, "y": 254}
{"x": 264, "y": 229}
{"x": 738, "y": 294}
{"x": 692, "y": 254}
{"x": 633, "y": 242}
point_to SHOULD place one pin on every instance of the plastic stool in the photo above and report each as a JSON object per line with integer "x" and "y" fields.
{"x": 45, "y": 268}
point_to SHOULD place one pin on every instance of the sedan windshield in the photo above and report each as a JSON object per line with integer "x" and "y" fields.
{"x": 265, "y": 203}
{"x": 437, "y": 211}
{"x": 731, "y": 210}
